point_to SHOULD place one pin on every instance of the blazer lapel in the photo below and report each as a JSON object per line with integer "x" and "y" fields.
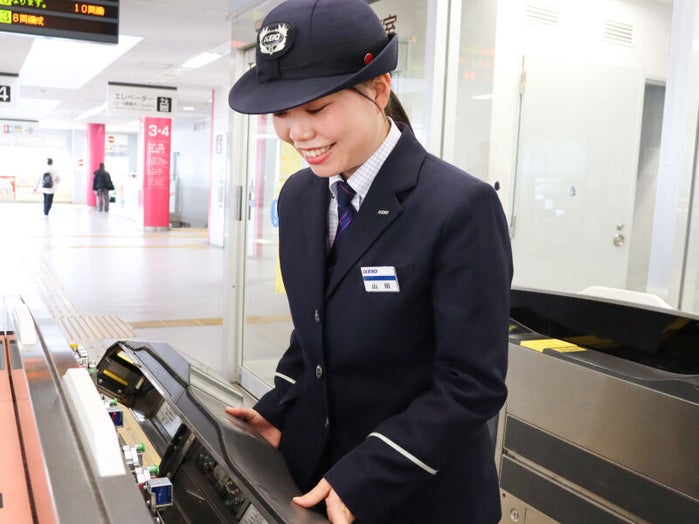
{"x": 381, "y": 206}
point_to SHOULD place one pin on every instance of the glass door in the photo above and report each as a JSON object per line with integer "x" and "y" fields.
{"x": 576, "y": 173}
{"x": 266, "y": 322}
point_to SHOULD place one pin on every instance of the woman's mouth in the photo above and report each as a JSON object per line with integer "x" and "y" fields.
{"x": 315, "y": 156}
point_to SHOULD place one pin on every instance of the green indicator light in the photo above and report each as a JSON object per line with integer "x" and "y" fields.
{"x": 141, "y": 447}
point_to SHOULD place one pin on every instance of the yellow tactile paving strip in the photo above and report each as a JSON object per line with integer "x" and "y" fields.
{"x": 90, "y": 331}
{"x": 267, "y": 319}
{"x": 184, "y": 322}
{"x": 133, "y": 246}
{"x": 79, "y": 328}
{"x": 86, "y": 330}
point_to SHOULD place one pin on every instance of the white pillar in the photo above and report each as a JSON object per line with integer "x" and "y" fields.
{"x": 677, "y": 150}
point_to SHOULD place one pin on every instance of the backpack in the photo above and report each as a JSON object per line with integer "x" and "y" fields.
{"x": 47, "y": 180}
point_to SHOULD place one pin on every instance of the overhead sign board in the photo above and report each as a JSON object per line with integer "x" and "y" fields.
{"x": 96, "y": 20}
{"x": 141, "y": 100}
{"x": 9, "y": 91}
{"x": 18, "y": 127}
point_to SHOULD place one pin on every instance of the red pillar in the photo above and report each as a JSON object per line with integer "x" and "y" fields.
{"x": 156, "y": 172}
{"x": 95, "y": 155}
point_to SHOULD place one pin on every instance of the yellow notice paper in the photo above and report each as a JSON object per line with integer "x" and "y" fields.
{"x": 551, "y": 343}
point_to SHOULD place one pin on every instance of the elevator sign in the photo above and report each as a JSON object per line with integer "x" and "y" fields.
{"x": 96, "y": 20}
{"x": 144, "y": 100}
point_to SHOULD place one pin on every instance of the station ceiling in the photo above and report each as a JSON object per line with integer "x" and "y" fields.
{"x": 167, "y": 34}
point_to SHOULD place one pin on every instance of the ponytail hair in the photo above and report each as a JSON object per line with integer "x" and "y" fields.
{"x": 396, "y": 112}
{"x": 394, "y": 109}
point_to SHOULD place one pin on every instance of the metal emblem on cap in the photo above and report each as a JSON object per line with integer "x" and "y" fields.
{"x": 275, "y": 39}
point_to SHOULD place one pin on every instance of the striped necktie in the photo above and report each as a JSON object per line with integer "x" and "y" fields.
{"x": 345, "y": 209}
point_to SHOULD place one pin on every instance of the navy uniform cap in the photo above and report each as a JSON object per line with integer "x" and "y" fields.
{"x": 307, "y": 49}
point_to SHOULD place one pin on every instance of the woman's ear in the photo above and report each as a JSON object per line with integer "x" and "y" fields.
{"x": 382, "y": 89}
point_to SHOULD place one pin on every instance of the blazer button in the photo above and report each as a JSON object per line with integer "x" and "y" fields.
{"x": 319, "y": 372}
{"x": 316, "y": 315}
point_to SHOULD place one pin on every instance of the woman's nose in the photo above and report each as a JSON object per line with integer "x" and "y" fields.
{"x": 300, "y": 130}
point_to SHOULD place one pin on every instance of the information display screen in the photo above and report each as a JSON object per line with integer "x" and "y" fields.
{"x": 96, "y": 20}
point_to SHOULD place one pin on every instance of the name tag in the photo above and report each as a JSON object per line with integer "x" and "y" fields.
{"x": 380, "y": 279}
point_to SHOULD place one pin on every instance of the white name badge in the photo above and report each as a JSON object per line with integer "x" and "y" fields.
{"x": 380, "y": 279}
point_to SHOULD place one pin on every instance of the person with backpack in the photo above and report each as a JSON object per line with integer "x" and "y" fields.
{"x": 47, "y": 183}
{"x": 102, "y": 185}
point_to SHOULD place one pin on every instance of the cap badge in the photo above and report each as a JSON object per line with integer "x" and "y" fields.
{"x": 275, "y": 39}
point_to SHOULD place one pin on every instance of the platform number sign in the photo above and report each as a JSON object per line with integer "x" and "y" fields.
{"x": 155, "y": 130}
{"x": 5, "y": 93}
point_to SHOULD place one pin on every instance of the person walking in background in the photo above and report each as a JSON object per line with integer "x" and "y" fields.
{"x": 47, "y": 183}
{"x": 102, "y": 185}
{"x": 397, "y": 268}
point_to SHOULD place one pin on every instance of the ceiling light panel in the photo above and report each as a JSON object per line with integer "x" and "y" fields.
{"x": 70, "y": 64}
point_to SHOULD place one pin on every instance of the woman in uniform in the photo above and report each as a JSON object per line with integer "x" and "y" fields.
{"x": 397, "y": 268}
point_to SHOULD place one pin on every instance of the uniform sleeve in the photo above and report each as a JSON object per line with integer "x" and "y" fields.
{"x": 471, "y": 278}
{"x": 272, "y": 405}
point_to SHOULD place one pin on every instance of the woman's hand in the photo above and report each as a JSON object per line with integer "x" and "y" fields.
{"x": 338, "y": 513}
{"x": 270, "y": 433}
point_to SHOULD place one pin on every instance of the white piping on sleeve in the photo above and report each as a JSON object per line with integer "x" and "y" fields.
{"x": 284, "y": 377}
{"x": 405, "y": 453}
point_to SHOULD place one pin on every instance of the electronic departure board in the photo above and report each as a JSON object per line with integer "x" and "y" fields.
{"x": 96, "y": 21}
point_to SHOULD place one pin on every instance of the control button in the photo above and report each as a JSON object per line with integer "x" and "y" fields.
{"x": 316, "y": 315}
{"x": 327, "y": 423}
{"x": 319, "y": 372}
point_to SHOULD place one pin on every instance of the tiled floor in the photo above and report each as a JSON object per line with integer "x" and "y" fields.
{"x": 103, "y": 278}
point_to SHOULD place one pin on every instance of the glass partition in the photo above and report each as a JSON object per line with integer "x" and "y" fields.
{"x": 583, "y": 115}
{"x": 267, "y": 322}
{"x": 563, "y": 106}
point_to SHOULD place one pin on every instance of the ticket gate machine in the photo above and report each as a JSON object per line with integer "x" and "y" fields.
{"x": 220, "y": 469}
{"x": 140, "y": 438}
{"x": 601, "y": 422}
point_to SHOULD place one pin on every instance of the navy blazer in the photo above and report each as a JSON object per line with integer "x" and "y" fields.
{"x": 387, "y": 395}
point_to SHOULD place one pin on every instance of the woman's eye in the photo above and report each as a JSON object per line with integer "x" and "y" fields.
{"x": 316, "y": 110}
{"x": 280, "y": 114}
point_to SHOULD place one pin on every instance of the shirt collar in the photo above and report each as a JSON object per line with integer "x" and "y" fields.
{"x": 363, "y": 177}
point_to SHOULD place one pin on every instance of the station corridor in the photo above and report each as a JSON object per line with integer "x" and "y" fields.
{"x": 102, "y": 277}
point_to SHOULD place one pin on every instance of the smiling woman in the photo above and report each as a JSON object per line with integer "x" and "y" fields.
{"x": 338, "y": 133}
{"x": 385, "y": 388}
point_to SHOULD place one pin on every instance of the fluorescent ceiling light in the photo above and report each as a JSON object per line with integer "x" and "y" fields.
{"x": 200, "y": 60}
{"x": 92, "y": 112}
{"x": 70, "y": 64}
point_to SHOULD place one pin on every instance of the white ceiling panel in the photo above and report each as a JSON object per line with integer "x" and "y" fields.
{"x": 171, "y": 32}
